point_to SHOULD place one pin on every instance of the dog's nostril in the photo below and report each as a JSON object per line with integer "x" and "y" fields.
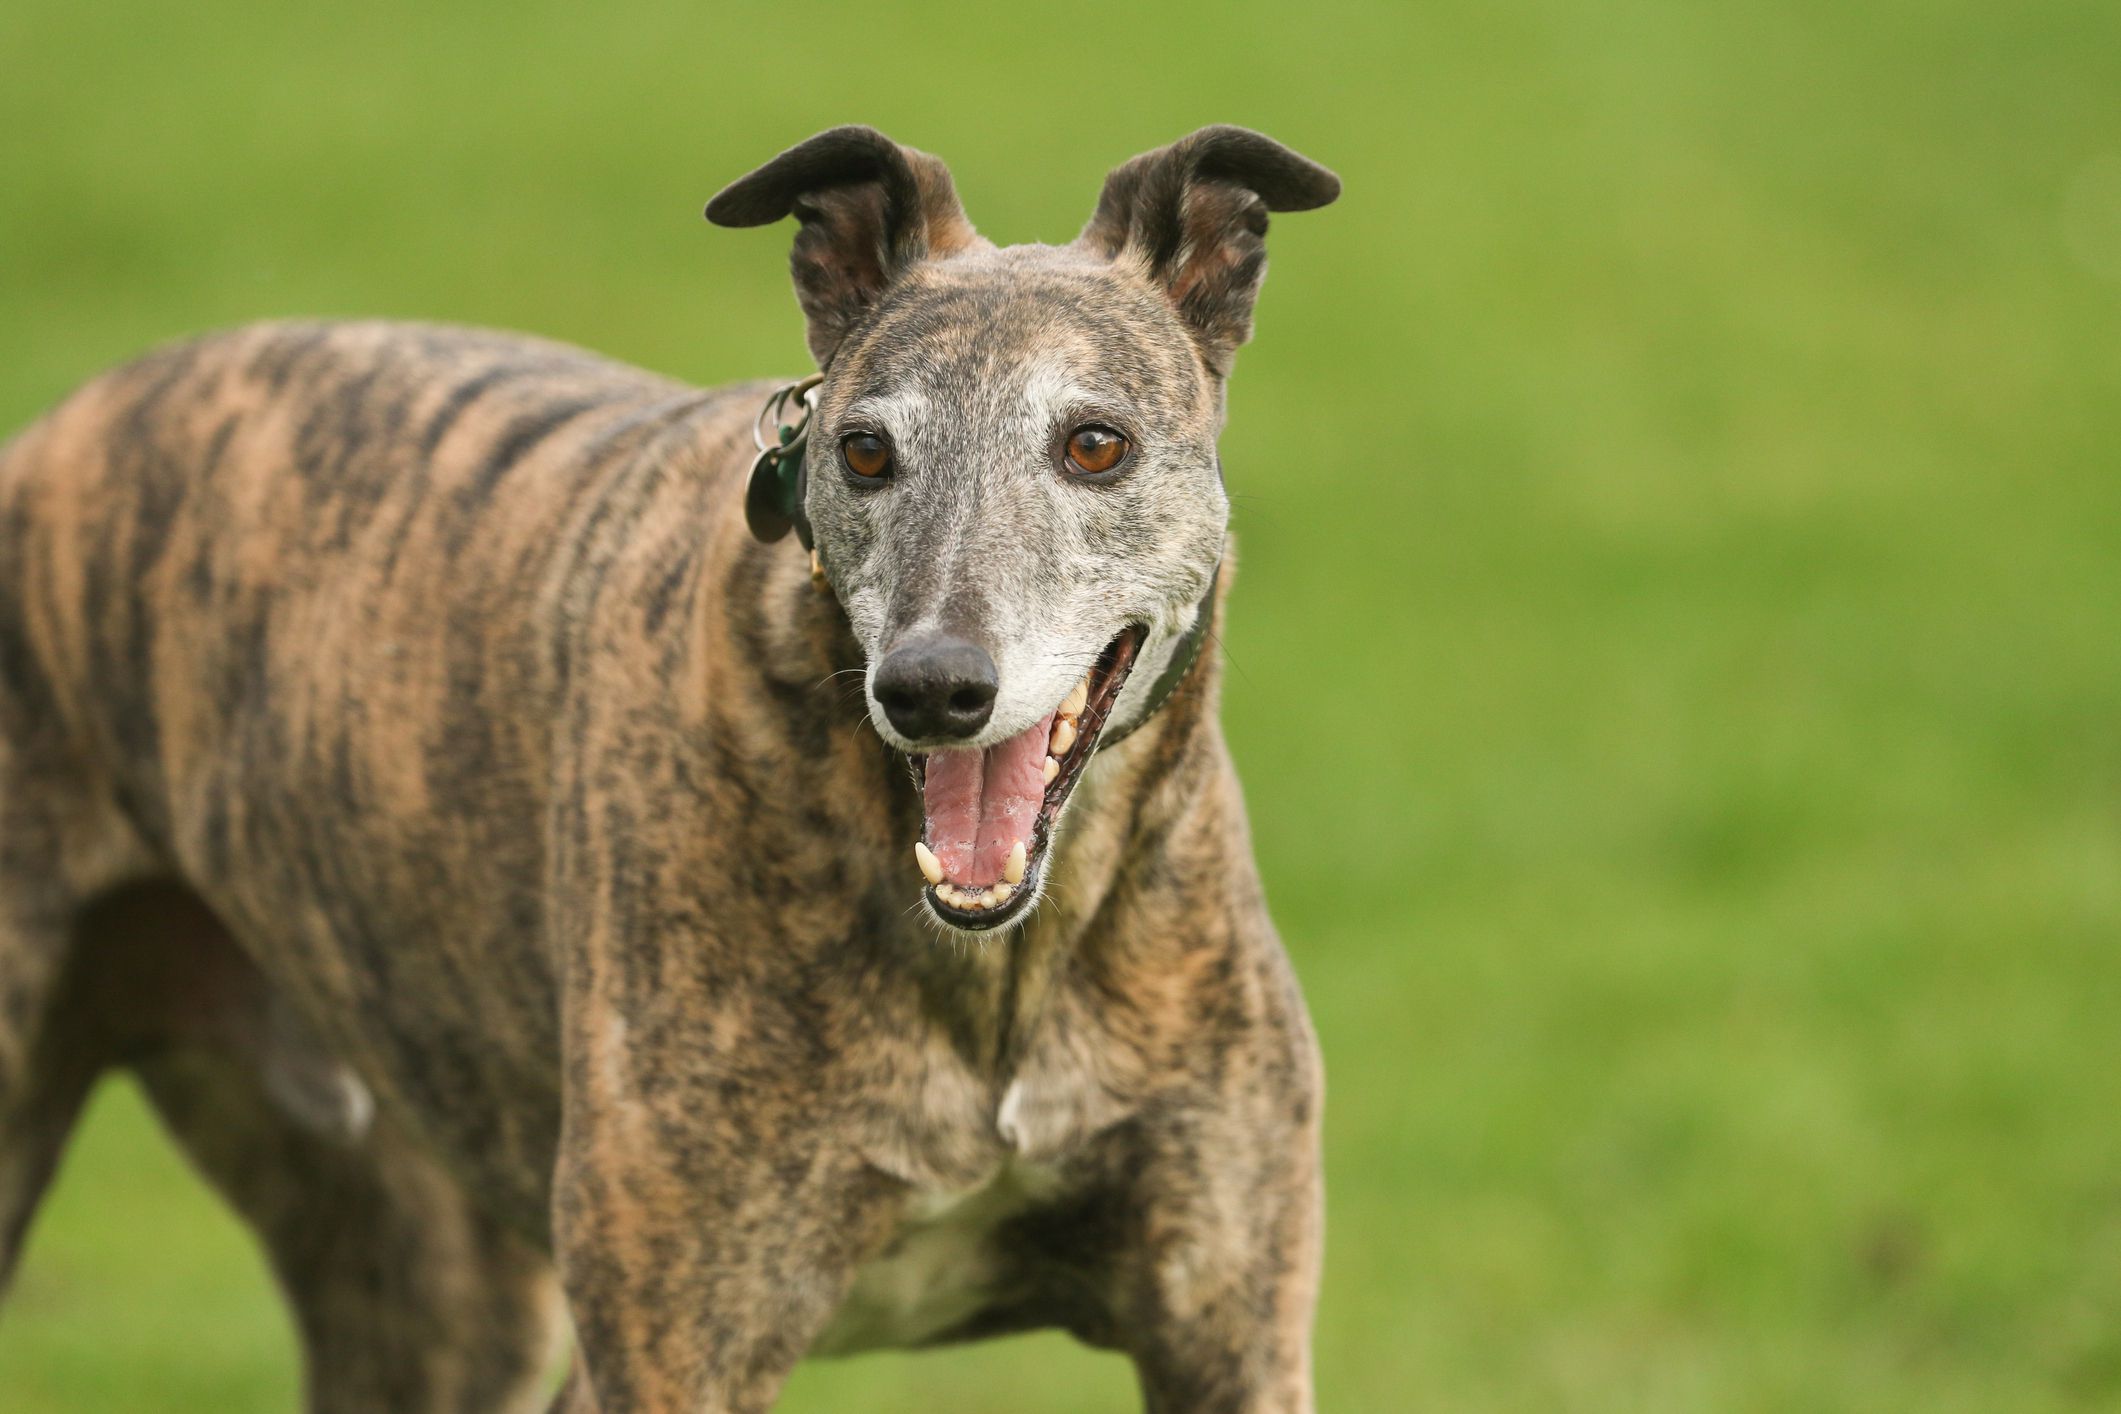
{"x": 971, "y": 699}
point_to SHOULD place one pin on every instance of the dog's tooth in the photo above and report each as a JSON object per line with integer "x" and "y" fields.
{"x": 1013, "y": 867}
{"x": 931, "y": 867}
{"x": 1052, "y": 770}
{"x": 1063, "y": 736}
{"x": 1078, "y": 698}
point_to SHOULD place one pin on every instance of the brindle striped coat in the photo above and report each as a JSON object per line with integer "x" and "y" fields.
{"x": 414, "y": 770}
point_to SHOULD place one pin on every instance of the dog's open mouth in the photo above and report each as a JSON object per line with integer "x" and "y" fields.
{"x": 989, "y": 814}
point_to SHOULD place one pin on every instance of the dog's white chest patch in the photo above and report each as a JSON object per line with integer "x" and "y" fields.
{"x": 939, "y": 1267}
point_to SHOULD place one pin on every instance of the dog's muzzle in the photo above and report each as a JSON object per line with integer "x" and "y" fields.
{"x": 989, "y": 814}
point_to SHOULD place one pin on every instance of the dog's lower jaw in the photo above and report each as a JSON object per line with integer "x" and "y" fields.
{"x": 1007, "y": 914}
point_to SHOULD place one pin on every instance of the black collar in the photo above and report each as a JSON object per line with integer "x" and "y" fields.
{"x": 1184, "y": 654}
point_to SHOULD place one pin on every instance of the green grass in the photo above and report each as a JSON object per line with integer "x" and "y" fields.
{"x": 1676, "y": 660}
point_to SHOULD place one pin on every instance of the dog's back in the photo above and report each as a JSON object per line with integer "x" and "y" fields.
{"x": 343, "y": 521}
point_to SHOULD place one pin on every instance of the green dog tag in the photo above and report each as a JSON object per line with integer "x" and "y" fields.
{"x": 773, "y": 503}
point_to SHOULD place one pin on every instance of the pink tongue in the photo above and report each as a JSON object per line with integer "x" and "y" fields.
{"x": 980, "y": 803}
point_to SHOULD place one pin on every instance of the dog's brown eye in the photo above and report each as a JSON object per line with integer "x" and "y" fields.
{"x": 866, "y": 454}
{"x": 1095, "y": 449}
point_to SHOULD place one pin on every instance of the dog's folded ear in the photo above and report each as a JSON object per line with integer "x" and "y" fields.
{"x": 870, "y": 210}
{"x": 1194, "y": 216}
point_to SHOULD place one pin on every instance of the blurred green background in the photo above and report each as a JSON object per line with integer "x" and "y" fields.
{"x": 1676, "y": 664}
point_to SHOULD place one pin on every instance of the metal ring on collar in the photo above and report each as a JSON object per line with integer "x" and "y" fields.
{"x": 806, "y": 391}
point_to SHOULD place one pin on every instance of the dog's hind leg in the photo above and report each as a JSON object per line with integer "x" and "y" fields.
{"x": 407, "y": 1298}
{"x": 48, "y": 1058}
{"x": 50, "y": 1049}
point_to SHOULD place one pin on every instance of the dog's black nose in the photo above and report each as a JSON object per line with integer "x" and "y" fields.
{"x": 937, "y": 686}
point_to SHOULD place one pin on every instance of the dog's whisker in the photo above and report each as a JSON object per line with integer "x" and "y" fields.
{"x": 1215, "y": 640}
{"x": 838, "y": 673}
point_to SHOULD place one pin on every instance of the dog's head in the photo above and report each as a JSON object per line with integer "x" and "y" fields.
{"x": 1011, "y": 471}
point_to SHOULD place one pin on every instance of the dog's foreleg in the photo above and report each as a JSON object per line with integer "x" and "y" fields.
{"x": 696, "y": 1282}
{"x": 705, "y": 1222}
{"x": 1218, "y": 1294}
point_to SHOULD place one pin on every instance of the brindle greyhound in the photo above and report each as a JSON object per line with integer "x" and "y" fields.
{"x": 495, "y": 853}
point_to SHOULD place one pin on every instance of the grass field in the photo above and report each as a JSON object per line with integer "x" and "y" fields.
{"x": 1676, "y": 664}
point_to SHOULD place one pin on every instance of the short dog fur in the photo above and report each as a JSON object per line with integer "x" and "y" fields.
{"x": 494, "y": 860}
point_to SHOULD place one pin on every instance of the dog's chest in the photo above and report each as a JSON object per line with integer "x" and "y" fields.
{"x": 973, "y": 1165}
{"x": 941, "y": 1267}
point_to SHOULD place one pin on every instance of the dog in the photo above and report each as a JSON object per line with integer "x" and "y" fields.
{"x": 535, "y": 891}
